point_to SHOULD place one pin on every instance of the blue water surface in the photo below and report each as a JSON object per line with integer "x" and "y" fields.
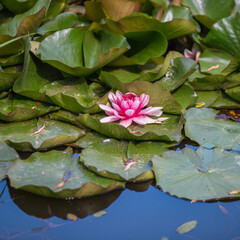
{"x": 151, "y": 214}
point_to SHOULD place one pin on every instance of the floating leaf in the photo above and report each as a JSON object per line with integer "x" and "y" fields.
{"x": 22, "y": 24}
{"x": 7, "y": 80}
{"x": 88, "y": 139}
{"x": 187, "y": 227}
{"x": 7, "y": 156}
{"x": 207, "y": 11}
{"x": 58, "y": 167}
{"x": 21, "y": 109}
{"x": 202, "y": 127}
{"x": 185, "y": 96}
{"x": 18, "y": 6}
{"x": 225, "y": 34}
{"x": 201, "y": 175}
{"x": 141, "y": 22}
{"x": 207, "y": 98}
{"x": 62, "y": 21}
{"x": 76, "y": 95}
{"x": 234, "y": 93}
{"x": 224, "y": 101}
{"x": 100, "y": 213}
{"x": 120, "y": 160}
{"x": 169, "y": 130}
{"x": 34, "y": 77}
{"x": 27, "y": 135}
{"x": 144, "y": 46}
{"x": 92, "y": 50}
{"x": 178, "y": 72}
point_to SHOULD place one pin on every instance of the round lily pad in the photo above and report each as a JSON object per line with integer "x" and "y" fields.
{"x": 58, "y": 174}
{"x": 202, "y": 127}
{"x": 121, "y": 160}
{"x": 201, "y": 175}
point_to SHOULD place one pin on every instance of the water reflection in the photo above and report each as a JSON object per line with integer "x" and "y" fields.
{"x": 42, "y": 207}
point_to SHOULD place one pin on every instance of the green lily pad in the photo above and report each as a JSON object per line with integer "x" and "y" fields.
{"x": 208, "y": 12}
{"x": 201, "y": 175}
{"x": 7, "y": 156}
{"x": 92, "y": 50}
{"x": 225, "y": 35}
{"x": 142, "y": 22}
{"x": 89, "y": 138}
{"x": 200, "y": 81}
{"x": 185, "y": 96}
{"x": 59, "y": 175}
{"x": 179, "y": 12}
{"x": 144, "y": 46}
{"x": 234, "y": 93}
{"x": 38, "y": 134}
{"x": 159, "y": 96}
{"x": 62, "y": 21}
{"x": 178, "y": 72}
{"x": 34, "y": 77}
{"x": 202, "y": 128}
{"x": 224, "y": 101}
{"x": 7, "y": 80}
{"x": 22, "y": 24}
{"x": 121, "y": 160}
{"x": 169, "y": 130}
{"x": 76, "y": 95}
{"x": 21, "y": 109}
{"x": 148, "y": 72}
{"x": 11, "y": 60}
{"x": 56, "y": 7}
{"x": 65, "y": 116}
{"x": 207, "y": 98}
{"x": 19, "y": 6}
{"x": 215, "y": 62}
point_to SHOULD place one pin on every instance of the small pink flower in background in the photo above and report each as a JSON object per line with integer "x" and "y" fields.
{"x": 194, "y": 53}
{"x": 129, "y": 108}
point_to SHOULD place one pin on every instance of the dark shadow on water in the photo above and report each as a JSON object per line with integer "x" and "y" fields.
{"x": 42, "y": 207}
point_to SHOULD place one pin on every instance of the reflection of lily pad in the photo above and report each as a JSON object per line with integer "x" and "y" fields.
{"x": 120, "y": 160}
{"x": 44, "y": 207}
{"x": 57, "y": 174}
{"x": 38, "y": 134}
{"x": 7, "y": 156}
{"x": 169, "y": 130}
{"x": 20, "y": 109}
{"x": 202, "y": 127}
{"x": 201, "y": 175}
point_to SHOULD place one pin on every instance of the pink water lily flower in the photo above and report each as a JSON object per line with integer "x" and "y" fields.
{"x": 129, "y": 108}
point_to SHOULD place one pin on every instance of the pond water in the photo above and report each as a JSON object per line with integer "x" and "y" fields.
{"x": 139, "y": 212}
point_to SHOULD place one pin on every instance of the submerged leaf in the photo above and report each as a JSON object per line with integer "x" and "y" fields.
{"x": 187, "y": 227}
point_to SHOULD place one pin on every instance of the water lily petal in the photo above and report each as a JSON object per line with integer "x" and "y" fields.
{"x": 142, "y": 120}
{"x": 126, "y": 122}
{"x": 112, "y": 97}
{"x": 109, "y": 119}
{"x": 116, "y": 107}
{"x": 129, "y": 112}
{"x": 130, "y": 95}
{"x": 119, "y": 97}
{"x": 108, "y": 110}
{"x": 160, "y": 120}
{"x": 124, "y": 105}
{"x": 135, "y": 104}
{"x": 151, "y": 111}
{"x": 144, "y": 99}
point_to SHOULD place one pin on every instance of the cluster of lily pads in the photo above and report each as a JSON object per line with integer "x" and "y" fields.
{"x": 60, "y": 60}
